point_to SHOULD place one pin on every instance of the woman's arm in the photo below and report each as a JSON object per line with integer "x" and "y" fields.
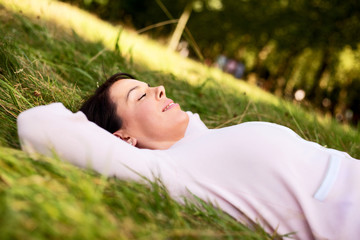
{"x": 54, "y": 130}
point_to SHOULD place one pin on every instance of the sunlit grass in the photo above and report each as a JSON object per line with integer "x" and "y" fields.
{"x": 143, "y": 52}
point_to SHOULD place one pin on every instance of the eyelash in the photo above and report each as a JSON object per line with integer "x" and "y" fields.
{"x": 142, "y": 97}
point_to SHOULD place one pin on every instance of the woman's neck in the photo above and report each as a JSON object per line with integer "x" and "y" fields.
{"x": 164, "y": 142}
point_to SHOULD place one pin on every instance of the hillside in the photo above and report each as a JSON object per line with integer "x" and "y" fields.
{"x": 51, "y": 52}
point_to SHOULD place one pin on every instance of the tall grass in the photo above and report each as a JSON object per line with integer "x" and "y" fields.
{"x": 51, "y": 52}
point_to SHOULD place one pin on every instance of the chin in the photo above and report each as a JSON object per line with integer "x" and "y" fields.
{"x": 182, "y": 116}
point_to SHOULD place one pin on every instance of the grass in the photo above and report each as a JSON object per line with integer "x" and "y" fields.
{"x": 51, "y": 52}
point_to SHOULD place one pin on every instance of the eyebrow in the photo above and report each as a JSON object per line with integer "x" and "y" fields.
{"x": 132, "y": 89}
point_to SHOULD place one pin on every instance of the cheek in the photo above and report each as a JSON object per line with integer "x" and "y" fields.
{"x": 147, "y": 114}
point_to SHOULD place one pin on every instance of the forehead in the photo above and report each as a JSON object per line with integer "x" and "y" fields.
{"x": 121, "y": 88}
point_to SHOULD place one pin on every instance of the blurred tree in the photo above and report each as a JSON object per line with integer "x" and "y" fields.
{"x": 285, "y": 44}
{"x": 175, "y": 38}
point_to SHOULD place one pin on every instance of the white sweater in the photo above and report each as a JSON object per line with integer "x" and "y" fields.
{"x": 256, "y": 172}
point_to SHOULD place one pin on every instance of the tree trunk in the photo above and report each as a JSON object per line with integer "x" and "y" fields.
{"x": 176, "y": 36}
{"x": 258, "y": 70}
{"x": 315, "y": 91}
{"x": 284, "y": 71}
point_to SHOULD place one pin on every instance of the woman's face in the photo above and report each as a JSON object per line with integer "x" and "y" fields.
{"x": 150, "y": 119}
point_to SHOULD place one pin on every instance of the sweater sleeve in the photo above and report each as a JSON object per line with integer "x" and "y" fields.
{"x": 53, "y": 130}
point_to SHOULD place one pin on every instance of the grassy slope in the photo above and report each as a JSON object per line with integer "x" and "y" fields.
{"x": 60, "y": 56}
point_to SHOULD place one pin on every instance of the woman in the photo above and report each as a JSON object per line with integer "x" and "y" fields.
{"x": 136, "y": 113}
{"x": 257, "y": 172}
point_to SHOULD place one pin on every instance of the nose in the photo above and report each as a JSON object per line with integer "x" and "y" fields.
{"x": 160, "y": 92}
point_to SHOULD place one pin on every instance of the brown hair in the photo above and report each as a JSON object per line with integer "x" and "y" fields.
{"x": 100, "y": 109}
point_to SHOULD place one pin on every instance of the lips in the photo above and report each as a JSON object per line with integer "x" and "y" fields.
{"x": 169, "y": 106}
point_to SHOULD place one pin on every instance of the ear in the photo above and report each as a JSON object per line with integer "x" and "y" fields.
{"x": 121, "y": 133}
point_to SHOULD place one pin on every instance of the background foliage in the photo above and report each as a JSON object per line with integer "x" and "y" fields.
{"x": 285, "y": 45}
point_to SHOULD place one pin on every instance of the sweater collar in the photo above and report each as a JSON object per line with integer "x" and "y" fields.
{"x": 195, "y": 128}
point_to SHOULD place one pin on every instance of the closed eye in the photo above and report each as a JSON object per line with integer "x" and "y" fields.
{"x": 142, "y": 96}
